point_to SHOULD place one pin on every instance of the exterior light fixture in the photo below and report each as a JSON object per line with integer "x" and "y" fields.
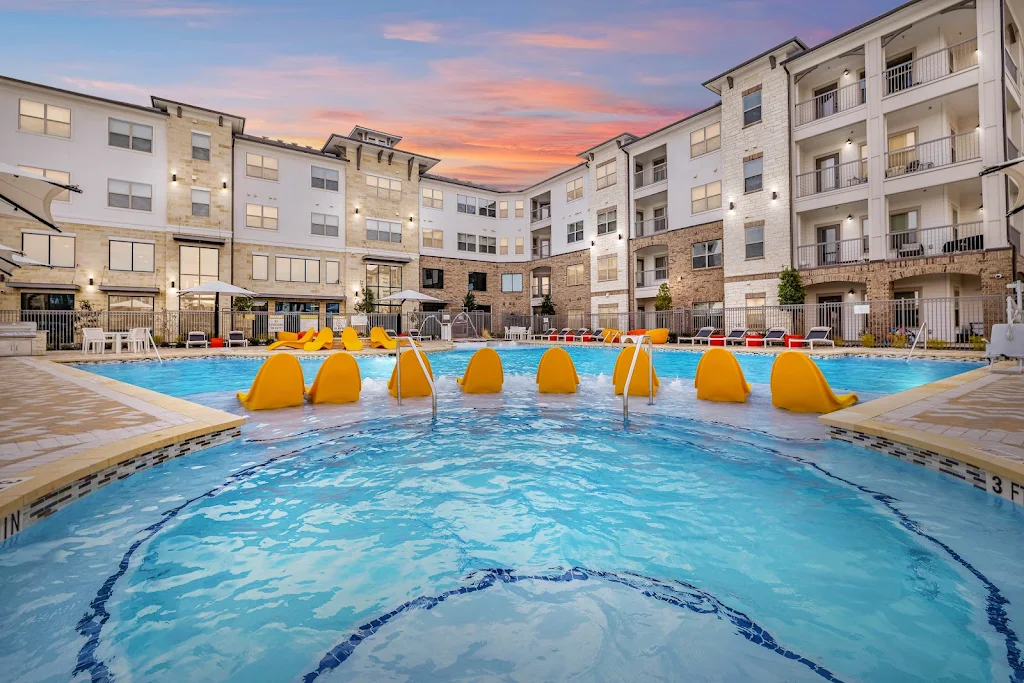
{"x": 225, "y": 185}
{"x": 846, "y": 73}
{"x": 174, "y": 177}
{"x": 851, "y": 291}
{"x": 732, "y": 205}
{"x": 90, "y": 282}
{"x": 357, "y": 210}
{"x": 849, "y": 141}
{"x": 775, "y": 195}
{"x": 849, "y": 217}
{"x": 172, "y": 284}
{"x": 410, "y": 219}
{"x": 592, "y": 242}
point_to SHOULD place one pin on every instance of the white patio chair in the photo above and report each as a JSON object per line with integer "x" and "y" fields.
{"x": 137, "y": 340}
{"x": 93, "y": 338}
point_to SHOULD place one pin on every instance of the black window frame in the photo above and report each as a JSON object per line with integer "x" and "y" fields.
{"x": 481, "y": 279}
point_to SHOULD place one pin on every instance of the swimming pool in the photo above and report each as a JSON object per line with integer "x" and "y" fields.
{"x": 513, "y": 540}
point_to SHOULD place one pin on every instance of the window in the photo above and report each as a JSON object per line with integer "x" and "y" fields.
{"x": 753, "y": 236}
{"x": 488, "y": 207}
{"x": 383, "y": 231}
{"x": 606, "y": 222}
{"x": 260, "y": 267}
{"x": 197, "y": 266}
{"x": 465, "y": 204}
{"x": 755, "y": 311}
{"x": 607, "y": 268}
{"x": 132, "y": 256}
{"x": 200, "y": 202}
{"x": 574, "y": 190}
{"x": 201, "y": 146}
{"x": 433, "y": 278}
{"x": 383, "y": 280}
{"x": 706, "y": 254}
{"x": 502, "y": 209}
{"x": 488, "y": 245}
{"x": 503, "y": 246}
{"x": 520, "y": 245}
{"x": 54, "y": 250}
{"x": 752, "y": 107}
{"x": 575, "y": 232}
{"x": 36, "y": 117}
{"x": 478, "y": 282}
{"x": 324, "y": 224}
{"x": 129, "y": 135}
{"x": 574, "y": 274}
{"x": 705, "y": 140}
{"x": 121, "y": 302}
{"x": 62, "y": 177}
{"x": 385, "y": 188}
{"x": 433, "y": 199}
{"x": 124, "y": 195}
{"x": 258, "y": 216}
{"x": 259, "y": 166}
{"x": 292, "y": 269}
{"x": 324, "y": 178}
{"x": 541, "y": 285}
{"x": 467, "y": 242}
{"x": 608, "y": 315}
{"x": 706, "y": 197}
{"x": 752, "y": 174}
{"x": 606, "y": 174}
{"x": 511, "y": 282}
{"x": 332, "y": 272}
{"x": 520, "y": 208}
{"x": 433, "y": 239}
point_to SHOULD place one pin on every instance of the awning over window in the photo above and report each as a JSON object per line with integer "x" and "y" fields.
{"x": 131, "y": 290}
{"x": 303, "y": 297}
{"x": 50, "y": 286}
{"x": 199, "y": 239}
{"x": 387, "y": 259}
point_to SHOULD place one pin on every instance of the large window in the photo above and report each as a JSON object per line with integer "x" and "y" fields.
{"x": 753, "y": 237}
{"x": 260, "y": 267}
{"x": 607, "y": 268}
{"x": 433, "y": 239}
{"x": 574, "y": 190}
{"x": 324, "y": 178}
{"x": 606, "y": 174}
{"x": 384, "y": 280}
{"x": 383, "y": 231}
{"x": 433, "y": 278}
{"x": 385, "y": 188}
{"x": 201, "y": 203}
{"x": 511, "y": 282}
{"x": 54, "y": 250}
{"x": 332, "y": 272}
{"x": 520, "y": 208}
{"x": 705, "y": 140}
{"x": 465, "y": 204}
{"x": 132, "y": 256}
{"x": 706, "y": 197}
{"x": 134, "y": 303}
{"x": 706, "y": 254}
{"x": 292, "y": 269}
{"x": 574, "y": 274}
{"x": 520, "y": 245}
{"x": 503, "y": 246}
{"x": 258, "y": 216}
{"x": 36, "y": 117}
{"x": 752, "y": 174}
{"x": 755, "y": 311}
{"x": 325, "y": 224}
{"x": 197, "y": 266}
{"x": 503, "y": 209}
{"x": 433, "y": 199}
{"x": 608, "y": 315}
{"x": 488, "y": 245}
{"x": 752, "y": 107}
{"x": 201, "y": 146}
{"x": 574, "y": 232}
{"x": 122, "y": 194}
{"x": 259, "y": 166}
{"x": 129, "y": 135}
{"x": 488, "y": 207}
{"x": 606, "y": 223}
{"x": 478, "y": 282}
{"x": 467, "y": 242}
{"x": 62, "y": 177}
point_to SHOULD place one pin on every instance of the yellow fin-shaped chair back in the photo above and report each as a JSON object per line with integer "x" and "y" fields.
{"x": 638, "y": 387}
{"x": 659, "y": 335}
{"x": 324, "y": 340}
{"x": 350, "y": 339}
{"x": 379, "y": 339}
{"x": 338, "y": 381}
{"x": 798, "y": 385}
{"x": 719, "y": 377}
{"x": 278, "y": 384}
{"x": 484, "y": 374}
{"x": 556, "y": 373}
{"x": 414, "y": 382}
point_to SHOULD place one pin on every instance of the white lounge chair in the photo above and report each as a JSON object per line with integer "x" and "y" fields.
{"x": 775, "y": 335}
{"x": 196, "y": 338}
{"x": 544, "y": 335}
{"x": 236, "y": 338}
{"x": 816, "y": 335}
{"x": 564, "y": 333}
{"x": 93, "y": 338}
{"x": 736, "y": 335}
{"x": 703, "y": 336}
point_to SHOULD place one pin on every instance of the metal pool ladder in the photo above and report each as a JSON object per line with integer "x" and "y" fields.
{"x": 398, "y": 371}
{"x": 922, "y": 331}
{"x": 640, "y": 340}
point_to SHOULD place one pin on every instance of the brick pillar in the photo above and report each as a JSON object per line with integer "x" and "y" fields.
{"x": 879, "y": 293}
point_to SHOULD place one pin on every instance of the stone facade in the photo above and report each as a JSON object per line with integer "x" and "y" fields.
{"x": 404, "y": 210}
{"x": 564, "y": 296}
{"x": 456, "y": 281}
{"x": 243, "y": 253}
{"x": 686, "y": 284}
{"x": 192, "y": 173}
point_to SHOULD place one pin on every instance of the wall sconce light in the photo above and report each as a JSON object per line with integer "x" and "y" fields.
{"x": 775, "y": 195}
{"x": 174, "y": 177}
{"x": 172, "y": 284}
{"x": 592, "y": 242}
{"x": 620, "y": 235}
{"x": 849, "y": 141}
{"x": 849, "y": 217}
{"x": 357, "y": 210}
{"x": 846, "y": 73}
{"x": 90, "y": 282}
{"x": 410, "y": 219}
{"x": 225, "y": 185}
{"x": 850, "y": 292}
{"x": 732, "y": 205}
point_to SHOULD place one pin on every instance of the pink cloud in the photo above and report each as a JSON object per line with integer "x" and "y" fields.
{"x": 560, "y": 41}
{"x": 413, "y": 31}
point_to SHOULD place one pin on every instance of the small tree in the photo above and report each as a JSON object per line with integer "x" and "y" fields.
{"x": 242, "y": 303}
{"x": 791, "y": 288}
{"x": 368, "y": 304}
{"x": 547, "y": 306}
{"x": 469, "y": 302}
{"x": 663, "y": 301}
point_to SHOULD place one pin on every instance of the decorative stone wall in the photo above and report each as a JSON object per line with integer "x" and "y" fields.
{"x": 687, "y": 285}
{"x": 359, "y": 196}
{"x": 568, "y": 297}
{"x": 194, "y": 173}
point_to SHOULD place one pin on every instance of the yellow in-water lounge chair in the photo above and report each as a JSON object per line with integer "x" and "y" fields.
{"x": 338, "y": 381}
{"x": 556, "y": 373}
{"x": 799, "y": 385}
{"x": 278, "y": 384}
{"x": 484, "y": 374}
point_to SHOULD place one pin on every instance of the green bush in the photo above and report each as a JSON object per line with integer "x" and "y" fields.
{"x": 936, "y": 344}
{"x": 977, "y": 342}
{"x": 867, "y": 340}
{"x": 673, "y": 337}
{"x": 898, "y": 341}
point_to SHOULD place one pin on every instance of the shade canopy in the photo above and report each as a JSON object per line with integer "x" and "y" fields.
{"x": 218, "y": 287}
{"x": 27, "y": 194}
{"x": 1015, "y": 170}
{"x": 411, "y": 295}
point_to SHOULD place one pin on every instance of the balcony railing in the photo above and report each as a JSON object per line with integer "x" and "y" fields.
{"x": 949, "y": 60}
{"x": 1011, "y": 66}
{"x": 538, "y": 291}
{"x": 651, "y": 278}
{"x": 829, "y": 103}
{"x": 849, "y": 174}
{"x": 1011, "y": 150}
{"x": 832, "y": 253}
{"x": 948, "y": 239}
{"x": 651, "y": 226}
{"x": 933, "y": 154}
{"x": 543, "y": 251}
{"x": 649, "y": 176}
{"x": 540, "y": 213}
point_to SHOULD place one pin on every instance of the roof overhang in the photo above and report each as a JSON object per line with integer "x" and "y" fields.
{"x": 301, "y": 297}
{"x": 387, "y": 258}
{"x": 172, "y": 107}
{"x": 114, "y": 289}
{"x": 788, "y": 47}
{"x": 46, "y": 286}
{"x": 199, "y": 239}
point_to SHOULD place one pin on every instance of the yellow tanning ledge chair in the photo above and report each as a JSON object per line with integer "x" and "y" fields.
{"x": 350, "y": 339}
{"x": 414, "y": 382}
{"x": 379, "y": 339}
{"x": 278, "y": 384}
{"x": 799, "y": 386}
{"x": 556, "y": 373}
{"x": 338, "y": 381}
{"x": 296, "y": 343}
{"x": 484, "y": 374}
{"x": 638, "y": 387}
{"x": 719, "y": 377}
{"x": 324, "y": 340}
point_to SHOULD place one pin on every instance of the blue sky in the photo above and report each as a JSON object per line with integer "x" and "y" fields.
{"x": 502, "y": 92}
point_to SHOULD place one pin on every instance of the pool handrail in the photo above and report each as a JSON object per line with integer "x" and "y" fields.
{"x": 423, "y": 367}
{"x": 922, "y": 331}
{"x": 639, "y": 340}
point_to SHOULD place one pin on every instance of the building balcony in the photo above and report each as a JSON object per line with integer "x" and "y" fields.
{"x": 947, "y": 239}
{"x": 652, "y": 226}
{"x": 837, "y": 253}
{"x": 1012, "y": 73}
{"x": 930, "y": 67}
{"x": 924, "y": 156}
{"x": 849, "y": 174}
{"x": 650, "y": 176}
{"x": 651, "y": 278}
{"x": 830, "y": 103}
{"x": 540, "y": 213}
{"x": 542, "y": 251}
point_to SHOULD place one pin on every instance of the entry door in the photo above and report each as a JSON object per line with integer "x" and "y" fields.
{"x": 830, "y": 312}
{"x": 828, "y": 245}
{"x": 826, "y": 167}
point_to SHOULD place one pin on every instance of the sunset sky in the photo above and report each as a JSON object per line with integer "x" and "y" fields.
{"x": 503, "y": 93}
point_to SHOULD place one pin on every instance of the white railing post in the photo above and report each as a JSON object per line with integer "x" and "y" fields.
{"x": 640, "y": 341}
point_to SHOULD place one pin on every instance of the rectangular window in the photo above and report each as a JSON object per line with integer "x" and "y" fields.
{"x": 260, "y": 267}
{"x": 607, "y": 268}
{"x": 433, "y": 199}
{"x": 706, "y": 197}
{"x": 332, "y": 272}
{"x": 502, "y": 209}
{"x": 574, "y": 274}
{"x": 520, "y": 208}
{"x": 478, "y": 282}
{"x": 201, "y": 146}
{"x": 752, "y": 107}
{"x": 606, "y": 223}
{"x": 36, "y": 117}
{"x": 324, "y": 178}
{"x": 755, "y": 312}
{"x": 197, "y": 266}
{"x": 292, "y": 269}
{"x": 433, "y": 278}
{"x": 62, "y": 177}
{"x": 574, "y": 232}
{"x": 433, "y": 239}
{"x": 752, "y": 174}
{"x": 488, "y": 245}
{"x": 503, "y": 246}
{"x": 54, "y": 250}
{"x": 706, "y": 254}
{"x": 511, "y": 282}
{"x": 383, "y": 231}
{"x": 128, "y": 135}
{"x": 385, "y": 188}
{"x": 122, "y": 194}
{"x": 467, "y": 242}
{"x": 132, "y": 256}
{"x": 606, "y": 174}
{"x": 383, "y": 280}
{"x": 259, "y": 166}
{"x": 608, "y": 315}
{"x": 753, "y": 236}
{"x": 465, "y": 204}
{"x": 258, "y": 216}
{"x": 201, "y": 203}
{"x": 488, "y": 207}
{"x": 325, "y": 224}
{"x": 520, "y": 245}
{"x": 574, "y": 190}
{"x": 130, "y": 303}
{"x": 705, "y": 140}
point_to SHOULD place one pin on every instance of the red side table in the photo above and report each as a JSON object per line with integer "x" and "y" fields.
{"x": 754, "y": 340}
{"x": 217, "y": 343}
{"x": 793, "y": 336}
{"x": 717, "y": 340}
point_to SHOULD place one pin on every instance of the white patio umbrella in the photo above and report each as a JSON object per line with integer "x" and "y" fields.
{"x": 217, "y": 288}
{"x": 26, "y": 193}
{"x": 411, "y": 295}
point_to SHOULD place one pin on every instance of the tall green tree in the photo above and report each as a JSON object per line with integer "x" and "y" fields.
{"x": 547, "y": 306}
{"x": 663, "y": 300}
{"x": 791, "y": 287}
{"x": 469, "y": 301}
